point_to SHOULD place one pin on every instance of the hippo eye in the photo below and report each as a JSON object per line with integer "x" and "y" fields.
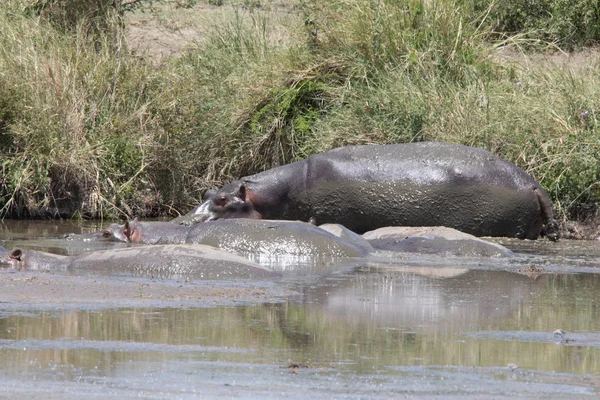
{"x": 221, "y": 201}
{"x": 106, "y": 233}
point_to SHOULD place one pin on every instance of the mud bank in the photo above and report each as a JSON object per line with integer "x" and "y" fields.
{"x": 39, "y": 290}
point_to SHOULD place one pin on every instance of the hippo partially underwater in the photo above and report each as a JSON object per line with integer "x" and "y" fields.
{"x": 269, "y": 242}
{"x": 437, "y": 240}
{"x": 162, "y": 261}
{"x": 264, "y": 241}
{"x": 202, "y": 251}
{"x": 372, "y": 186}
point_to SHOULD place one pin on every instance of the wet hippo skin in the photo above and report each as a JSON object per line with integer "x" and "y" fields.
{"x": 349, "y": 236}
{"x": 434, "y": 240}
{"x": 166, "y": 261}
{"x": 265, "y": 241}
{"x": 373, "y": 186}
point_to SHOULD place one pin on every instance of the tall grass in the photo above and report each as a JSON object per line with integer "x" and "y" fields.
{"x": 75, "y": 126}
{"x": 89, "y": 129}
{"x": 566, "y": 23}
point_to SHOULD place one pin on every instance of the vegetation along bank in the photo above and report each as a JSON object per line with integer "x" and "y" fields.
{"x": 118, "y": 108}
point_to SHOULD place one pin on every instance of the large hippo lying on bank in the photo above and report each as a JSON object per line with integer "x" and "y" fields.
{"x": 373, "y": 186}
{"x": 167, "y": 261}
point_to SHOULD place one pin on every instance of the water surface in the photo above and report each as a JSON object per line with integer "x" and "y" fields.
{"x": 374, "y": 330}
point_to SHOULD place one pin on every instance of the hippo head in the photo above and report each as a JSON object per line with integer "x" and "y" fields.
{"x": 128, "y": 232}
{"x": 231, "y": 201}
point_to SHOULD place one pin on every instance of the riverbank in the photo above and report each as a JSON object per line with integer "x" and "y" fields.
{"x": 587, "y": 229}
{"x": 108, "y": 118}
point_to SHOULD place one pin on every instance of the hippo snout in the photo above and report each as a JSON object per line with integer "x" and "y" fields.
{"x": 202, "y": 213}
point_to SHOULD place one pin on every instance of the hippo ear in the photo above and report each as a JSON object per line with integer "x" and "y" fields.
{"x": 241, "y": 192}
{"x": 209, "y": 194}
{"x": 16, "y": 255}
{"x": 128, "y": 230}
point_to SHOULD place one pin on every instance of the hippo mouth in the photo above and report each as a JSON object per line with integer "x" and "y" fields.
{"x": 223, "y": 207}
{"x": 203, "y": 213}
{"x": 5, "y": 260}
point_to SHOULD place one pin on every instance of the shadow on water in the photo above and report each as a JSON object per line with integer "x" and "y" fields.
{"x": 372, "y": 332}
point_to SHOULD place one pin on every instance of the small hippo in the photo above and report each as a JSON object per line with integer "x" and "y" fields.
{"x": 167, "y": 261}
{"x": 372, "y": 186}
{"x": 264, "y": 241}
{"x": 437, "y": 240}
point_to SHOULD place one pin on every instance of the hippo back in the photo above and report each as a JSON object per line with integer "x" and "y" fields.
{"x": 417, "y": 184}
{"x": 274, "y": 243}
{"x": 173, "y": 261}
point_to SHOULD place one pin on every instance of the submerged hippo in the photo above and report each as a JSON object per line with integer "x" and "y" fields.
{"x": 264, "y": 241}
{"x": 372, "y": 186}
{"x": 437, "y": 240}
{"x": 167, "y": 261}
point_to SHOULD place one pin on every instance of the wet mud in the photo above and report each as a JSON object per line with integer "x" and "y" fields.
{"x": 393, "y": 326}
{"x": 51, "y": 291}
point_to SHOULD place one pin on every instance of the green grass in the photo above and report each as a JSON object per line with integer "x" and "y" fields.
{"x": 566, "y": 23}
{"x": 76, "y": 121}
{"x": 89, "y": 128}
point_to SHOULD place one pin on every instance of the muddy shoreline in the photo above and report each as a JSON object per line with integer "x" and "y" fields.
{"x": 44, "y": 290}
{"x": 584, "y": 229}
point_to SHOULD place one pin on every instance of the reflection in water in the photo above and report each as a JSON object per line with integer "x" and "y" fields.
{"x": 358, "y": 323}
{"x": 426, "y": 302}
{"x": 49, "y": 236}
{"x": 561, "y": 257}
{"x": 35, "y": 229}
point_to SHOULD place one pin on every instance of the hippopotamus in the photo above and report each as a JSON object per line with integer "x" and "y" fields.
{"x": 367, "y": 187}
{"x": 281, "y": 243}
{"x": 166, "y": 261}
{"x": 437, "y": 240}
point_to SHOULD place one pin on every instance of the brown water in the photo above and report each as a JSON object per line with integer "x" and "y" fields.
{"x": 391, "y": 329}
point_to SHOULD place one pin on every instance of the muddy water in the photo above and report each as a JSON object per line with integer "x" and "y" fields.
{"x": 387, "y": 329}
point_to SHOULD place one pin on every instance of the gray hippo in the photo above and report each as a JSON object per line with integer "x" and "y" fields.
{"x": 167, "y": 261}
{"x": 264, "y": 241}
{"x": 437, "y": 240}
{"x": 372, "y": 186}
